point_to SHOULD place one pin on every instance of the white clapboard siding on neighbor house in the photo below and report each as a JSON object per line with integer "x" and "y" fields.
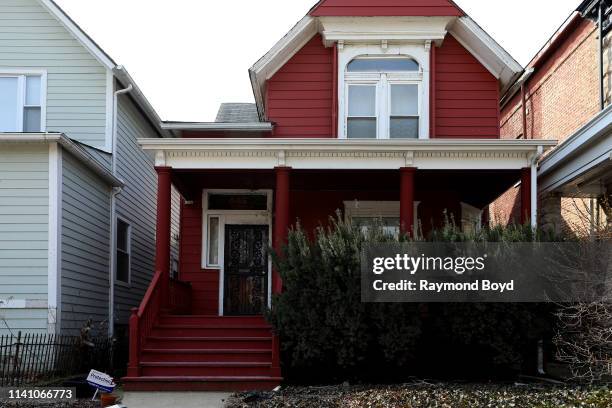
{"x": 30, "y": 37}
{"x": 24, "y": 219}
{"x": 85, "y": 247}
{"x": 136, "y": 204}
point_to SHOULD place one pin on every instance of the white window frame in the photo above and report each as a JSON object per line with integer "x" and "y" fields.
{"x": 234, "y": 217}
{"x": 21, "y": 75}
{"x": 378, "y": 209}
{"x": 128, "y": 252}
{"x": 418, "y": 52}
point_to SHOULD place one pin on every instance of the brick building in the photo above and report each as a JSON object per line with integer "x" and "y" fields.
{"x": 559, "y": 97}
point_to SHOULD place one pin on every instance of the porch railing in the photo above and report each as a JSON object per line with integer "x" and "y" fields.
{"x": 144, "y": 317}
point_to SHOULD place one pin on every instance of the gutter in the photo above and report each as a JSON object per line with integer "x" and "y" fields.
{"x": 74, "y": 148}
{"x": 124, "y": 77}
{"x": 113, "y": 215}
{"x": 219, "y": 126}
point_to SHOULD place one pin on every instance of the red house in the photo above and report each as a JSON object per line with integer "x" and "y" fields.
{"x": 379, "y": 109}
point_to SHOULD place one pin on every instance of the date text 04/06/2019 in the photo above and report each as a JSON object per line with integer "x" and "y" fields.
{"x": 426, "y": 286}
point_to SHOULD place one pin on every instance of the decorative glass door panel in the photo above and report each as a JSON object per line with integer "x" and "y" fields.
{"x": 245, "y": 270}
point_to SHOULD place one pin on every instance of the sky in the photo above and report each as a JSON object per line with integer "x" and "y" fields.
{"x": 188, "y": 56}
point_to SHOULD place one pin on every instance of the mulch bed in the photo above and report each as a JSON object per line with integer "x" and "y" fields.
{"x": 426, "y": 395}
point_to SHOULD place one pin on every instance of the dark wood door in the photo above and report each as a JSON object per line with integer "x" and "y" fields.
{"x": 245, "y": 270}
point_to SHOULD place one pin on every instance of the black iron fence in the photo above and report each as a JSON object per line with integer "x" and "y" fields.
{"x": 30, "y": 358}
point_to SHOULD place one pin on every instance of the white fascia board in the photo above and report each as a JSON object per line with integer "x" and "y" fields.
{"x": 331, "y": 144}
{"x": 376, "y": 29}
{"x": 336, "y": 154}
{"x": 274, "y": 59}
{"x": 486, "y": 50}
{"x": 74, "y": 148}
{"x": 78, "y": 33}
{"x": 219, "y": 126}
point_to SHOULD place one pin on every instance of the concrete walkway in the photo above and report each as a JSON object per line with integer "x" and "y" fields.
{"x": 174, "y": 399}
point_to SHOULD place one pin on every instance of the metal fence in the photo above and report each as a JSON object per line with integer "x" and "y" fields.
{"x": 32, "y": 358}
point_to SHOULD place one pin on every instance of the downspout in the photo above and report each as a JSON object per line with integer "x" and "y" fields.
{"x": 524, "y": 109}
{"x": 534, "y": 187}
{"x": 113, "y": 217}
{"x": 602, "y": 96}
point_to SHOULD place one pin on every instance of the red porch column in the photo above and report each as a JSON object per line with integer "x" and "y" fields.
{"x": 281, "y": 218}
{"x": 525, "y": 195}
{"x": 162, "y": 235}
{"x": 407, "y": 200}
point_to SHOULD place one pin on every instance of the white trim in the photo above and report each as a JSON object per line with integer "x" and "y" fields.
{"x": 110, "y": 112}
{"x": 54, "y": 239}
{"x": 128, "y": 252}
{"x": 278, "y": 56}
{"x": 268, "y": 153}
{"x": 378, "y": 29}
{"x": 79, "y": 34}
{"x": 232, "y": 217}
{"x": 21, "y": 74}
{"x": 487, "y": 51}
{"x": 72, "y": 147}
{"x": 417, "y": 51}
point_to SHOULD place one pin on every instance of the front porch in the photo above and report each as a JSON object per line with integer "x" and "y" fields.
{"x": 205, "y": 330}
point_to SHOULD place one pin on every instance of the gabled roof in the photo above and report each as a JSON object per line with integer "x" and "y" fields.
{"x": 359, "y": 8}
{"x": 469, "y": 34}
{"x": 103, "y": 58}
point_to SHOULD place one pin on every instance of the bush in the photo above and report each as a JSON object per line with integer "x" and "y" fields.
{"x": 328, "y": 334}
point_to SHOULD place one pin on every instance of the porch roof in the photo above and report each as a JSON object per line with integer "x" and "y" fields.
{"x": 267, "y": 153}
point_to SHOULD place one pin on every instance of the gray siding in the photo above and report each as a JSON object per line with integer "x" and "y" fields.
{"x": 24, "y": 220}
{"x": 85, "y": 247}
{"x": 136, "y": 204}
{"x": 30, "y": 37}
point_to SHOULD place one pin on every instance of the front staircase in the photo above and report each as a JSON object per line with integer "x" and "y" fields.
{"x": 185, "y": 352}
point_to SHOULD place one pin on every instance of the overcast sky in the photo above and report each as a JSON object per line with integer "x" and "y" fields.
{"x": 188, "y": 56}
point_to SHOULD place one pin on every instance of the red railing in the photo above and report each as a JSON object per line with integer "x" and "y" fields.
{"x": 180, "y": 297}
{"x": 144, "y": 317}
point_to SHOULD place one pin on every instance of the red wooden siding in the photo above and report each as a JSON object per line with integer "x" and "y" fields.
{"x": 300, "y": 94}
{"x": 205, "y": 283}
{"x": 368, "y": 8}
{"x": 467, "y": 95}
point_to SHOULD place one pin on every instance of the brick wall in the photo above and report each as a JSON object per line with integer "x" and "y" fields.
{"x": 562, "y": 95}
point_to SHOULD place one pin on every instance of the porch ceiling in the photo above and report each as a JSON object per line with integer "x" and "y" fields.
{"x": 475, "y": 187}
{"x": 342, "y": 154}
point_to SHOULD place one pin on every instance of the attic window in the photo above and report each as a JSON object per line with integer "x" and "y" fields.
{"x": 383, "y": 98}
{"x": 368, "y": 64}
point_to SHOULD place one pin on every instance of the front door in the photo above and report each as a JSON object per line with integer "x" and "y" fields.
{"x": 245, "y": 270}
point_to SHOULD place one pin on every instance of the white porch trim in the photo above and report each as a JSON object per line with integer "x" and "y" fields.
{"x": 337, "y": 154}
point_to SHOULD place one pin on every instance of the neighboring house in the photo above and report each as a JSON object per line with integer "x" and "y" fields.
{"x": 77, "y": 194}
{"x": 378, "y": 109}
{"x": 565, "y": 94}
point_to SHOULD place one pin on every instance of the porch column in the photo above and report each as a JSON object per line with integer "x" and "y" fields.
{"x": 407, "y": 200}
{"x": 162, "y": 235}
{"x": 281, "y": 218}
{"x": 525, "y": 195}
